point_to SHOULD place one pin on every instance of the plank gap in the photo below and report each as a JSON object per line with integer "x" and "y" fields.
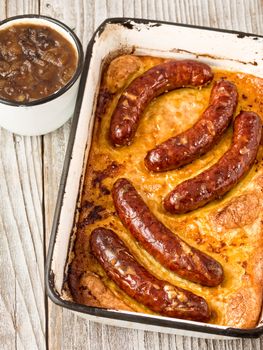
{"x": 44, "y": 239}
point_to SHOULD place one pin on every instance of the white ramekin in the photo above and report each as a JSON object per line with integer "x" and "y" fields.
{"x": 47, "y": 114}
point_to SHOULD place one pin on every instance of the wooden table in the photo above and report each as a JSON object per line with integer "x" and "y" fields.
{"x": 30, "y": 169}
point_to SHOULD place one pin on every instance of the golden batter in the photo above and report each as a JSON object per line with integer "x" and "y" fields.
{"x": 230, "y": 229}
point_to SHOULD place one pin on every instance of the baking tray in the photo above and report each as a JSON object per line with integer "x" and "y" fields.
{"x": 223, "y": 48}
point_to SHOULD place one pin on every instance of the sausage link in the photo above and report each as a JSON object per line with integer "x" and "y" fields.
{"x": 224, "y": 175}
{"x": 163, "y": 77}
{"x": 206, "y": 132}
{"x": 138, "y": 283}
{"x": 166, "y": 247}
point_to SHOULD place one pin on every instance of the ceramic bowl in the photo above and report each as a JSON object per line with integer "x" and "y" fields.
{"x": 44, "y": 115}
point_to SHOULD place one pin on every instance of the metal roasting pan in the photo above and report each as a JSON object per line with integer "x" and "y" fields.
{"x": 233, "y": 50}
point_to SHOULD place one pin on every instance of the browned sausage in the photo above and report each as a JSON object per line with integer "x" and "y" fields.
{"x": 224, "y": 175}
{"x": 168, "y": 248}
{"x": 192, "y": 143}
{"x": 159, "y": 296}
{"x": 163, "y": 77}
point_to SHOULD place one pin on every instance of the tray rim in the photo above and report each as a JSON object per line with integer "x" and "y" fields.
{"x": 49, "y": 274}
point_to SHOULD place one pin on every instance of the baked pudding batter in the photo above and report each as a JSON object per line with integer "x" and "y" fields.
{"x": 229, "y": 229}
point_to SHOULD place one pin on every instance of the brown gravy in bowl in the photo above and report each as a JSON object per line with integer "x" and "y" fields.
{"x": 35, "y": 62}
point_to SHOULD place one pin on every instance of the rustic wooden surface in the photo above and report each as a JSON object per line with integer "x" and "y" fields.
{"x": 30, "y": 170}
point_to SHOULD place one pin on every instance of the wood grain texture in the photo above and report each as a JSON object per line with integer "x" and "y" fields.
{"x": 22, "y": 238}
{"x": 22, "y": 298}
{"x": 29, "y": 164}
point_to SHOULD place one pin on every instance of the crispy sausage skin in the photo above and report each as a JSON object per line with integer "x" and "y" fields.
{"x": 163, "y": 77}
{"x": 138, "y": 283}
{"x": 206, "y": 132}
{"x": 224, "y": 175}
{"x": 166, "y": 247}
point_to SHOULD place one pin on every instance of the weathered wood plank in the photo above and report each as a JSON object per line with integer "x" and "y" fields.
{"x": 20, "y": 7}
{"x": 21, "y": 242}
{"x": 22, "y": 301}
{"x": 67, "y": 330}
